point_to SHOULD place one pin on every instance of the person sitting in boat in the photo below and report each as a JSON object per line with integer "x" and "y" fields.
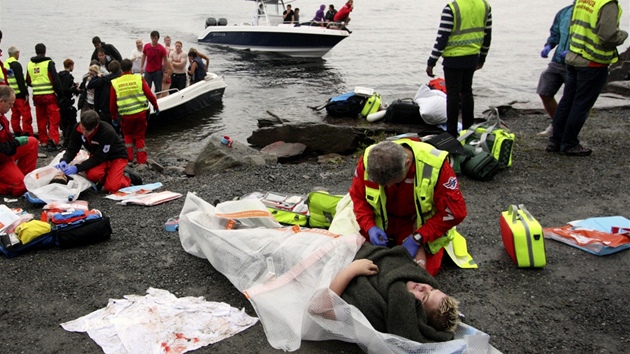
{"x": 319, "y": 19}
{"x": 288, "y": 16}
{"x": 330, "y": 14}
{"x": 343, "y": 16}
{"x": 197, "y": 71}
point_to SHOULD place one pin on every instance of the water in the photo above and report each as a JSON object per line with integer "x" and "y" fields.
{"x": 387, "y": 51}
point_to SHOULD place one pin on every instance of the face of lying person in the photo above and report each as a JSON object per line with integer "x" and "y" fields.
{"x": 429, "y": 296}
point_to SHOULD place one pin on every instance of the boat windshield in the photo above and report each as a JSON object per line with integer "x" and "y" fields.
{"x": 268, "y": 12}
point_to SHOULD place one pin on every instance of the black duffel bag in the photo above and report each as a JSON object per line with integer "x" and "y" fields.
{"x": 84, "y": 233}
{"x": 403, "y": 111}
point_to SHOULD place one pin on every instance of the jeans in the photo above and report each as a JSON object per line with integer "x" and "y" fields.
{"x": 581, "y": 90}
{"x": 154, "y": 78}
{"x": 459, "y": 89}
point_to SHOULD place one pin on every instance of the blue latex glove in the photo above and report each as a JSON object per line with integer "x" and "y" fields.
{"x": 563, "y": 54}
{"x": 378, "y": 237}
{"x": 411, "y": 246}
{"x": 22, "y": 140}
{"x": 157, "y": 112}
{"x": 70, "y": 170}
{"x": 61, "y": 166}
{"x": 115, "y": 122}
{"x": 545, "y": 52}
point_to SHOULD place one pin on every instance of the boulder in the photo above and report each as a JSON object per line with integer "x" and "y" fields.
{"x": 619, "y": 87}
{"x": 216, "y": 157}
{"x": 317, "y": 137}
{"x": 284, "y": 150}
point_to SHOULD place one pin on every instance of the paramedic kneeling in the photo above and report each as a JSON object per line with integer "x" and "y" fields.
{"x": 405, "y": 192}
{"x": 18, "y": 155}
{"x": 107, "y": 163}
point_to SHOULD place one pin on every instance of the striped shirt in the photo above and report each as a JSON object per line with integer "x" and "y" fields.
{"x": 444, "y": 32}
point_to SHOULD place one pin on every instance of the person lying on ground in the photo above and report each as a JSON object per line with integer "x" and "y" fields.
{"x": 395, "y": 294}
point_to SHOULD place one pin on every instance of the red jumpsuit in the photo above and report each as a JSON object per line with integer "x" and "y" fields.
{"x": 15, "y": 161}
{"x": 401, "y": 210}
{"x": 134, "y": 126}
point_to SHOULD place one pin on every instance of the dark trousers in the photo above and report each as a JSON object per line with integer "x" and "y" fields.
{"x": 68, "y": 118}
{"x": 459, "y": 90}
{"x": 178, "y": 81}
{"x": 581, "y": 90}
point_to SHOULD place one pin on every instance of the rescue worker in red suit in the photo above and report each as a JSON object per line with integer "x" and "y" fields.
{"x": 107, "y": 163}
{"x": 129, "y": 99}
{"x": 18, "y": 155}
{"x": 406, "y": 193}
{"x": 21, "y": 118}
{"x": 42, "y": 76}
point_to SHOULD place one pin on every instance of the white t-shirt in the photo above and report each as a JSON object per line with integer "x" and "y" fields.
{"x": 136, "y": 58}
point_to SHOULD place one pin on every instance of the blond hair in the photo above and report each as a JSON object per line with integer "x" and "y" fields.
{"x": 446, "y": 318}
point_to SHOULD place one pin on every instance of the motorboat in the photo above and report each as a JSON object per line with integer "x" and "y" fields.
{"x": 191, "y": 99}
{"x": 268, "y": 33}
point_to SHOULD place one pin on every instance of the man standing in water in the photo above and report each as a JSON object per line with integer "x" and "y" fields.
{"x": 463, "y": 40}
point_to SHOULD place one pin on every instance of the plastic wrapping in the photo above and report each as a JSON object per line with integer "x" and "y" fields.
{"x": 285, "y": 273}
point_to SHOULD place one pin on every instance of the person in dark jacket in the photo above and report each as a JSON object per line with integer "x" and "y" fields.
{"x": 67, "y": 111}
{"x": 101, "y": 85}
{"x": 107, "y": 164}
{"x": 109, "y": 50}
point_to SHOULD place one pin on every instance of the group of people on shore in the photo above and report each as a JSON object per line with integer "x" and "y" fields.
{"x": 113, "y": 98}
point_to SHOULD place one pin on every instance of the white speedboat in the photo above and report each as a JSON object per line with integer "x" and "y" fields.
{"x": 267, "y": 33}
{"x": 191, "y": 99}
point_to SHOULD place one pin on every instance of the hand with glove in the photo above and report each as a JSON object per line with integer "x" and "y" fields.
{"x": 378, "y": 237}
{"x": 70, "y": 170}
{"x": 22, "y": 140}
{"x": 411, "y": 245}
{"x": 563, "y": 54}
{"x": 157, "y": 112}
{"x": 61, "y": 166}
{"x": 545, "y": 52}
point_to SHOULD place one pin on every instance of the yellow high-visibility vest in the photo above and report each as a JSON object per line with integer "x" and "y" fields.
{"x": 583, "y": 39}
{"x": 129, "y": 95}
{"x": 469, "y": 24}
{"x": 11, "y": 78}
{"x": 40, "y": 82}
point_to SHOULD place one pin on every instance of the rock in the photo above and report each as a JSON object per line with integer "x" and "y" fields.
{"x": 619, "y": 87}
{"x": 155, "y": 166}
{"x": 217, "y": 157}
{"x": 284, "y": 150}
{"x": 329, "y": 158}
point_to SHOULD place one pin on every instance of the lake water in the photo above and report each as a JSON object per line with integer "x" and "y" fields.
{"x": 387, "y": 51}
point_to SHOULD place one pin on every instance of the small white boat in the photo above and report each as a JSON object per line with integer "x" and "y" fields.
{"x": 268, "y": 33}
{"x": 193, "y": 98}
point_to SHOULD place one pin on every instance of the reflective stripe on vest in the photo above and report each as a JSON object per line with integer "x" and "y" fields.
{"x": 11, "y": 78}
{"x": 129, "y": 95}
{"x": 40, "y": 82}
{"x": 584, "y": 41}
{"x": 429, "y": 161}
{"x": 2, "y": 78}
{"x": 468, "y": 28}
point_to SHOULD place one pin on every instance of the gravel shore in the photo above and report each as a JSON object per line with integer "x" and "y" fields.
{"x": 576, "y": 304}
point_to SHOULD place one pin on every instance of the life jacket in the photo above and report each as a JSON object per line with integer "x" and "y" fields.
{"x": 11, "y": 78}
{"x": 40, "y": 81}
{"x": 584, "y": 41}
{"x": 129, "y": 95}
{"x": 429, "y": 161}
{"x": 469, "y": 24}
{"x": 438, "y": 84}
{"x": 200, "y": 72}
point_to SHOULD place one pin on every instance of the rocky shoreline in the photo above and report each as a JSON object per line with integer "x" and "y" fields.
{"x": 577, "y": 303}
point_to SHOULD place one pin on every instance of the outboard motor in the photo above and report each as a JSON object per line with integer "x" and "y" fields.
{"x": 222, "y": 22}
{"x": 211, "y": 21}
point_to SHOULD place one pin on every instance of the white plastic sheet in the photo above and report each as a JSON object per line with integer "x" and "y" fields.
{"x": 160, "y": 323}
{"x": 285, "y": 273}
{"x": 37, "y": 182}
